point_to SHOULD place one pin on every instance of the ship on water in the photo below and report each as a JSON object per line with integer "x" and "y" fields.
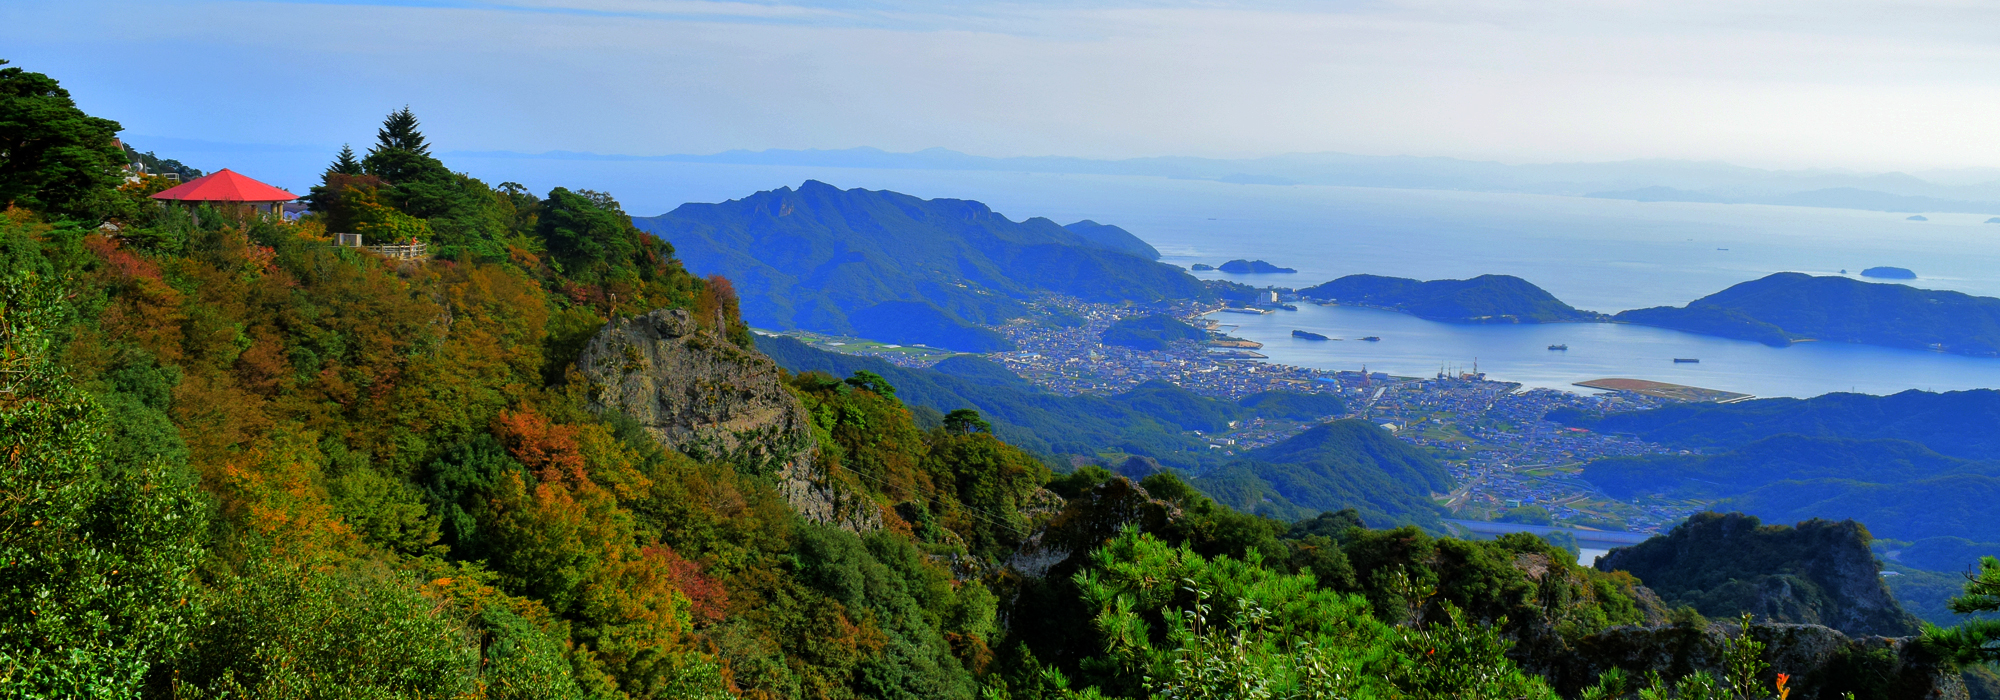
{"x": 1308, "y": 335}
{"x": 1559, "y": 346}
{"x": 1371, "y": 338}
{"x": 1687, "y": 360}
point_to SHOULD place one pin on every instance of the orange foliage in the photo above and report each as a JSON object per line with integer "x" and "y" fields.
{"x": 548, "y": 449}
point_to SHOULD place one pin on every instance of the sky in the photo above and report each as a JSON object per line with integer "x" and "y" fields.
{"x": 1839, "y": 84}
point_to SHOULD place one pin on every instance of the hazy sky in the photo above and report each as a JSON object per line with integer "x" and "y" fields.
{"x": 1824, "y": 83}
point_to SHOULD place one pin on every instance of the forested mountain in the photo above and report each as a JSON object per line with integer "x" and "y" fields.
{"x": 1344, "y": 464}
{"x": 1964, "y": 424}
{"x": 1913, "y": 465}
{"x": 1788, "y": 307}
{"x": 892, "y": 267}
{"x": 239, "y": 461}
{"x": 1482, "y": 299}
{"x": 1113, "y": 238}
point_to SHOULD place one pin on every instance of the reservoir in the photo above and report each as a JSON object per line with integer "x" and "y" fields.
{"x": 1413, "y": 347}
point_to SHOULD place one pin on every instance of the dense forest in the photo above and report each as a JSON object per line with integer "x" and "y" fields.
{"x": 237, "y": 460}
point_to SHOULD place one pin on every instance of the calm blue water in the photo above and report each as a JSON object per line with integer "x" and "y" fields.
{"x": 1411, "y": 346}
{"x": 1602, "y": 255}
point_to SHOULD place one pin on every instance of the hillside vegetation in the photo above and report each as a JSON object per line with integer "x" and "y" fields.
{"x": 1787, "y": 307}
{"x": 1150, "y": 332}
{"x": 238, "y": 461}
{"x": 829, "y": 260}
{"x": 1113, "y": 238}
{"x": 1482, "y": 299}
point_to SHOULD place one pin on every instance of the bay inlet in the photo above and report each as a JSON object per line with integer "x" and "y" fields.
{"x": 1414, "y": 347}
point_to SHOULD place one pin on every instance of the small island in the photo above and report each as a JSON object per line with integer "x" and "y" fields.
{"x": 1994, "y": 220}
{"x": 1253, "y": 267}
{"x": 1918, "y": 217}
{"x": 1889, "y": 273}
{"x": 1201, "y": 267}
{"x": 1308, "y": 335}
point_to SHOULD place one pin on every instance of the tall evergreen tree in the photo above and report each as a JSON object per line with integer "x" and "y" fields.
{"x": 399, "y": 132}
{"x": 53, "y": 156}
{"x": 345, "y": 164}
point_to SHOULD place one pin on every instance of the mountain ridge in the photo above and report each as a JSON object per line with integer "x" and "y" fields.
{"x": 820, "y": 258}
{"x": 1786, "y": 307}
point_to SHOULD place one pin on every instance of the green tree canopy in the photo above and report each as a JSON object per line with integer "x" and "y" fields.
{"x": 399, "y": 132}
{"x": 53, "y": 157}
{"x": 345, "y": 164}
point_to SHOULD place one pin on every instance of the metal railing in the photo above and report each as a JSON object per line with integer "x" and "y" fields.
{"x": 414, "y": 250}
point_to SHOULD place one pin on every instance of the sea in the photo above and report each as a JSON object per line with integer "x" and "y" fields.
{"x": 1597, "y": 254}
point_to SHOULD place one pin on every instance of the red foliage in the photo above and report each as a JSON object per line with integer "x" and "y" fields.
{"x": 550, "y": 450}
{"x": 708, "y": 600}
{"x": 121, "y": 261}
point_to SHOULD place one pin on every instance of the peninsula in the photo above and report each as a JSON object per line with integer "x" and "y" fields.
{"x": 1482, "y": 299}
{"x": 1789, "y": 307}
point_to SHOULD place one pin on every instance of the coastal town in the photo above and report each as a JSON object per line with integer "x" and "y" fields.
{"x": 1491, "y": 434}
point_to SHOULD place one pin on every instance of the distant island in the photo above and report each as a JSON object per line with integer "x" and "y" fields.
{"x": 1889, "y": 273}
{"x": 1994, "y": 220}
{"x": 1918, "y": 217}
{"x": 895, "y": 268}
{"x": 1201, "y": 267}
{"x": 1482, "y": 299}
{"x": 1253, "y": 267}
{"x": 1788, "y": 307}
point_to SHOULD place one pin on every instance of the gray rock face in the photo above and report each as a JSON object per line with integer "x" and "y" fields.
{"x": 699, "y": 394}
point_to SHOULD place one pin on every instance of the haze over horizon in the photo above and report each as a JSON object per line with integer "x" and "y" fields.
{"x": 1853, "y": 86}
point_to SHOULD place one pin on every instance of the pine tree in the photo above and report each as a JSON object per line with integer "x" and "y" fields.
{"x": 399, "y": 132}
{"x": 345, "y": 164}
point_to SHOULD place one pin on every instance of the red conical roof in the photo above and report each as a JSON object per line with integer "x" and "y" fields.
{"x": 225, "y": 185}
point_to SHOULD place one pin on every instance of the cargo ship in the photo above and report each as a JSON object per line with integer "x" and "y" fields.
{"x": 1687, "y": 360}
{"x": 1371, "y": 338}
{"x": 1560, "y": 346}
{"x": 1308, "y": 335}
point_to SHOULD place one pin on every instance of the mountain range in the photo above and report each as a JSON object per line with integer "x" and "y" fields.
{"x": 900, "y": 269}
{"x": 1913, "y": 465}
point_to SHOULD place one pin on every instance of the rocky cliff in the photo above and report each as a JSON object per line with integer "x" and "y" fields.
{"x": 1817, "y": 572}
{"x": 699, "y": 394}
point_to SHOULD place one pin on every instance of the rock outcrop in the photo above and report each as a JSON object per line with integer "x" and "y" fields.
{"x": 1817, "y": 572}
{"x": 699, "y": 394}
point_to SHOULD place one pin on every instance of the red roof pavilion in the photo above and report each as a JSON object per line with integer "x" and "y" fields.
{"x": 227, "y": 186}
